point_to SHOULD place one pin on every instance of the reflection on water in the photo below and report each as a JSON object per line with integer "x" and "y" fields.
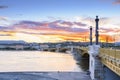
{"x": 13, "y": 61}
{"x": 84, "y": 64}
{"x": 36, "y": 61}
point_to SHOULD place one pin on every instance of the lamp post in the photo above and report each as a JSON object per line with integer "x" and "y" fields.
{"x": 90, "y": 35}
{"x": 96, "y": 31}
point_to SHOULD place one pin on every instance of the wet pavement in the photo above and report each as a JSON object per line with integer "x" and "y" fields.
{"x": 44, "y": 76}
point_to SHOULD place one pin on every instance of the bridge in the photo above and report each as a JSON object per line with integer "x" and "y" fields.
{"x": 98, "y": 57}
{"x": 107, "y": 56}
{"x": 68, "y": 49}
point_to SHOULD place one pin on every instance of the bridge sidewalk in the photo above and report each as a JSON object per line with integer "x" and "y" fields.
{"x": 45, "y": 76}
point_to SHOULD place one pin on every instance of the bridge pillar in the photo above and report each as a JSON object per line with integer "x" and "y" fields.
{"x": 58, "y": 47}
{"x": 41, "y": 49}
{"x": 57, "y": 50}
{"x": 71, "y": 49}
{"x": 95, "y": 65}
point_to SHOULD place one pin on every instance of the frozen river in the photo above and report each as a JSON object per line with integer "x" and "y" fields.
{"x": 25, "y": 61}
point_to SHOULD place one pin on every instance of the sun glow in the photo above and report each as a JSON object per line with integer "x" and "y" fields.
{"x": 27, "y": 37}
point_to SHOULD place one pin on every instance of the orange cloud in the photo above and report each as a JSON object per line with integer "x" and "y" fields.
{"x": 106, "y": 38}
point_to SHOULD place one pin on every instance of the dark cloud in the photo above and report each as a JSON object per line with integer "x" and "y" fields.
{"x": 2, "y": 28}
{"x": 30, "y": 23}
{"x": 5, "y": 35}
{"x": 79, "y": 30}
{"x": 67, "y": 23}
{"x": 116, "y": 2}
{"x": 80, "y": 24}
{"x": 55, "y": 25}
{"x": 3, "y": 7}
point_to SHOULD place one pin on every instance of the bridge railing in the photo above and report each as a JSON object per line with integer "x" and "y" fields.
{"x": 110, "y": 52}
{"x": 111, "y": 58}
{"x": 84, "y": 48}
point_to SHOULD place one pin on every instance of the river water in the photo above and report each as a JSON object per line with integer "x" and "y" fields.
{"x": 25, "y": 61}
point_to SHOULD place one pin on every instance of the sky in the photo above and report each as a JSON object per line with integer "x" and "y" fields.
{"x": 59, "y": 20}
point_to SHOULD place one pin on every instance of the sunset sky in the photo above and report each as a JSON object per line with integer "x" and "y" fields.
{"x": 58, "y": 20}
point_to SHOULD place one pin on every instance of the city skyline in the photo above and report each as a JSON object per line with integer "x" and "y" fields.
{"x": 54, "y": 21}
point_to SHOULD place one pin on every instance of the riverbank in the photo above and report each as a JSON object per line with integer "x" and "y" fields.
{"x": 44, "y": 76}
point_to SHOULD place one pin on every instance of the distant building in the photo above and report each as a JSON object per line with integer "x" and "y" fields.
{"x": 117, "y": 44}
{"x": 43, "y": 46}
{"x": 34, "y": 46}
{"x": 12, "y": 46}
{"x": 16, "y": 45}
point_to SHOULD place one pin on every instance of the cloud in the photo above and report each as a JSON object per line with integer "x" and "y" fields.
{"x": 5, "y": 35}
{"x": 59, "y": 25}
{"x": 6, "y": 29}
{"x": 5, "y": 21}
{"x": 3, "y": 7}
{"x": 80, "y": 24}
{"x": 90, "y": 21}
{"x": 116, "y": 2}
{"x": 48, "y": 31}
{"x": 109, "y": 31}
{"x": 32, "y": 23}
{"x": 3, "y": 18}
{"x": 55, "y": 30}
